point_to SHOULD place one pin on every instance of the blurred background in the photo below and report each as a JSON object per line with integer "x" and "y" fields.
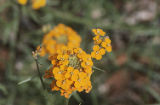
{"x": 132, "y": 69}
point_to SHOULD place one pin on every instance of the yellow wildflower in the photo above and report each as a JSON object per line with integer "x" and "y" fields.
{"x": 108, "y": 48}
{"x": 102, "y": 44}
{"x": 96, "y": 55}
{"x": 98, "y": 32}
{"x": 22, "y": 2}
{"x": 71, "y": 66}
{"x": 73, "y": 76}
{"x": 96, "y": 48}
{"x": 60, "y": 36}
{"x": 97, "y": 39}
{"x": 36, "y": 4}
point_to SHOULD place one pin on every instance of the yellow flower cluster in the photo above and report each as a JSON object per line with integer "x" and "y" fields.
{"x": 58, "y": 37}
{"x": 72, "y": 68}
{"x": 36, "y": 4}
{"x": 102, "y": 44}
{"x": 22, "y": 2}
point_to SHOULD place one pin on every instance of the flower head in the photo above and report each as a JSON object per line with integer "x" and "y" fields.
{"x": 36, "y": 4}
{"x": 59, "y": 37}
{"x": 102, "y": 44}
{"x": 22, "y": 2}
{"x": 72, "y": 68}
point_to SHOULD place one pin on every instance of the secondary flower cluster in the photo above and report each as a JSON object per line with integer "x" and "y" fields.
{"x": 58, "y": 37}
{"x": 102, "y": 44}
{"x": 72, "y": 68}
{"x": 36, "y": 4}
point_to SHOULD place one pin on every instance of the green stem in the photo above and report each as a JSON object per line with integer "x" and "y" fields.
{"x": 67, "y": 101}
{"x": 39, "y": 73}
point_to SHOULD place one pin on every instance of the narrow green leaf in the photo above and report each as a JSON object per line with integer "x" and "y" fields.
{"x": 24, "y": 81}
{"x": 3, "y": 89}
{"x": 153, "y": 93}
{"x": 96, "y": 68}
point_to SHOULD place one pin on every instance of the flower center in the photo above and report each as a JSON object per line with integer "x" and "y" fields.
{"x": 74, "y": 61}
{"x": 62, "y": 39}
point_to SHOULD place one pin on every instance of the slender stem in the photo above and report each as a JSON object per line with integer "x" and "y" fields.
{"x": 40, "y": 76}
{"x": 67, "y": 101}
